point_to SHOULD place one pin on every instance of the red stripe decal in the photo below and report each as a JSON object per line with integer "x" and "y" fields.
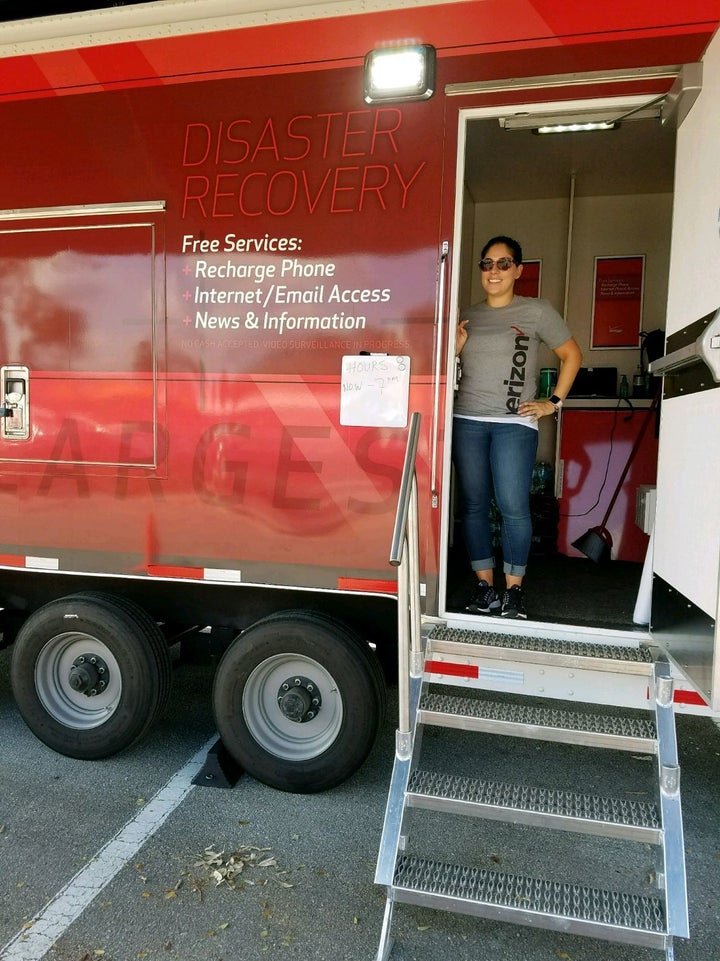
{"x": 456, "y": 670}
{"x": 366, "y": 584}
{"x": 684, "y": 697}
{"x": 689, "y": 697}
{"x": 12, "y": 560}
{"x": 162, "y": 570}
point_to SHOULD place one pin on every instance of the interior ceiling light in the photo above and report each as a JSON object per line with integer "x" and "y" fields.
{"x": 400, "y": 73}
{"x": 559, "y": 122}
{"x": 576, "y": 127}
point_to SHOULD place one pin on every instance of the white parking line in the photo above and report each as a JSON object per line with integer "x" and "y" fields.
{"x": 50, "y": 923}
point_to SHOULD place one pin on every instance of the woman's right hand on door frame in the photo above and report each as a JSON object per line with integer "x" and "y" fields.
{"x": 461, "y": 336}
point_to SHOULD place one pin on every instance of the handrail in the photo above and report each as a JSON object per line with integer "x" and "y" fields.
{"x": 401, "y": 514}
{"x": 439, "y": 330}
{"x": 404, "y": 554}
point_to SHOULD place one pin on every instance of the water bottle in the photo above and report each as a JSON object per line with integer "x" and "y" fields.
{"x": 541, "y": 478}
{"x": 548, "y": 379}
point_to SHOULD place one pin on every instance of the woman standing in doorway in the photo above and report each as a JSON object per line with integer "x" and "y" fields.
{"x": 495, "y": 418}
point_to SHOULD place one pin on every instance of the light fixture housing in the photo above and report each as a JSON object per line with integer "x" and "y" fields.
{"x": 580, "y": 121}
{"x": 402, "y": 73}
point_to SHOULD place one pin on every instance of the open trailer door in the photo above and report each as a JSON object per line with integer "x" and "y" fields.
{"x": 686, "y": 560}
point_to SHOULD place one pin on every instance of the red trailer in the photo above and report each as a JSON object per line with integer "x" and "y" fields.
{"x": 227, "y": 275}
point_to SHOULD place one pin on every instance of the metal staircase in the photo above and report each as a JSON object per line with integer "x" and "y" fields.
{"x": 437, "y": 665}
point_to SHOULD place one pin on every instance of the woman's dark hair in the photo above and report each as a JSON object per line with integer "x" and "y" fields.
{"x": 509, "y": 242}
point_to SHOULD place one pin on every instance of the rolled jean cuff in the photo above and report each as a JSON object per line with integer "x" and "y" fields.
{"x": 517, "y": 570}
{"x": 485, "y": 565}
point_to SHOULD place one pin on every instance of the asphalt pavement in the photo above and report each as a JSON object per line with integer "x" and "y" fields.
{"x": 91, "y": 860}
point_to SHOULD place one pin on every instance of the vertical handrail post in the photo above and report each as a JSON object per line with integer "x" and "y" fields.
{"x": 413, "y": 552}
{"x": 405, "y": 555}
{"x": 403, "y": 730}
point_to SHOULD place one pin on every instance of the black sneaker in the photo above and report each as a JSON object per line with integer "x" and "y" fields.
{"x": 484, "y": 600}
{"x": 512, "y": 603}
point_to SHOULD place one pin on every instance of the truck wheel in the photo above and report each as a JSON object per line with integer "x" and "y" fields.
{"x": 90, "y": 672}
{"x": 298, "y": 700}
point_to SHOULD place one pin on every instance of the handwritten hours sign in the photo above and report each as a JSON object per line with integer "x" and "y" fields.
{"x": 374, "y": 390}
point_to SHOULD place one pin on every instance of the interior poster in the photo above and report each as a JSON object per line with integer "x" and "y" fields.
{"x": 617, "y": 301}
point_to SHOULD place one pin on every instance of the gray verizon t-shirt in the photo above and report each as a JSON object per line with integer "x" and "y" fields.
{"x": 500, "y": 358}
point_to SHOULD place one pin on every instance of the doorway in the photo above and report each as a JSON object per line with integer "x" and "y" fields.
{"x": 570, "y": 199}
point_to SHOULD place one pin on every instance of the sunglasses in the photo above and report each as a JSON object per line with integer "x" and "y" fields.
{"x": 504, "y": 263}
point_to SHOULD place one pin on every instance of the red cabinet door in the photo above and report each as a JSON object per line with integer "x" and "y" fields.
{"x": 594, "y": 448}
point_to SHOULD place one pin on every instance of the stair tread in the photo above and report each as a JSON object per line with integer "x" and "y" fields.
{"x": 538, "y": 715}
{"x": 610, "y": 652}
{"x": 562, "y": 803}
{"x": 557, "y": 899}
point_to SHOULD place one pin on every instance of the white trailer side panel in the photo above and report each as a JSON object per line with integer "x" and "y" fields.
{"x": 687, "y": 525}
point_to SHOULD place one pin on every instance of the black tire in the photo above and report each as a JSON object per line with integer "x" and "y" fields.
{"x": 114, "y": 654}
{"x": 335, "y": 667}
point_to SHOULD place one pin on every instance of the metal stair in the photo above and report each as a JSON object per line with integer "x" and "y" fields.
{"x": 539, "y": 806}
{"x": 649, "y": 917}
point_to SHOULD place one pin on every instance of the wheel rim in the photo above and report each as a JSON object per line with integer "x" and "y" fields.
{"x": 279, "y": 734}
{"x": 56, "y": 673}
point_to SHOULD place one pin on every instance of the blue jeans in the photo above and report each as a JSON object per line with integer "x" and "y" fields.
{"x": 495, "y": 460}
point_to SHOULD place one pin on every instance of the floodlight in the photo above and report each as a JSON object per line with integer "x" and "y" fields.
{"x": 400, "y": 73}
